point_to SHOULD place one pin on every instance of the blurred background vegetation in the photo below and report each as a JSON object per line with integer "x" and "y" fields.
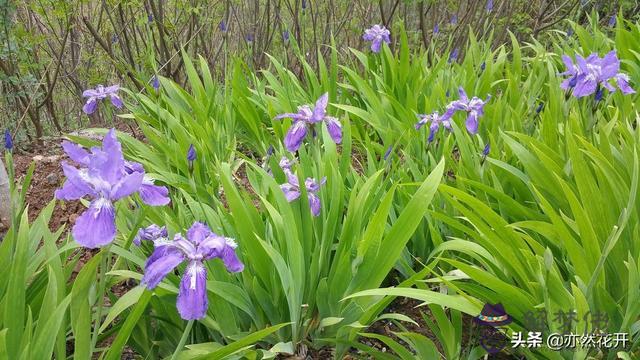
{"x": 52, "y": 50}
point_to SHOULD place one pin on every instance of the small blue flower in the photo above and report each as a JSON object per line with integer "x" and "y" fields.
{"x": 612, "y": 21}
{"x": 249, "y": 38}
{"x": 448, "y": 93}
{"x": 483, "y": 66}
{"x": 489, "y": 5}
{"x": 222, "y": 26}
{"x": 454, "y": 19}
{"x": 191, "y": 156}
{"x": 285, "y": 36}
{"x": 539, "y": 108}
{"x": 8, "y": 141}
{"x": 150, "y": 18}
{"x": 155, "y": 82}
{"x": 436, "y": 29}
{"x": 454, "y": 55}
{"x": 114, "y": 39}
{"x": 486, "y": 150}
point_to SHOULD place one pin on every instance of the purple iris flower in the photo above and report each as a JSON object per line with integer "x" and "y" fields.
{"x": 454, "y": 19}
{"x": 377, "y": 34}
{"x": 200, "y": 245}
{"x": 285, "y": 164}
{"x": 612, "y": 21}
{"x": 98, "y": 94}
{"x": 489, "y": 5}
{"x": 474, "y": 107}
{"x": 249, "y": 38}
{"x": 586, "y": 75}
{"x": 155, "y": 82}
{"x": 486, "y": 150}
{"x": 436, "y": 120}
{"x": 222, "y": 26}
{"x": 285, "y": 36}
{"x": 152, "y": 232}
{"x": 291, "y": 190}
{"x": 8, "y": 141}
{"x": 306, "y": 117}
{"x": 149, "y": 18}
{"x": 191, "y": 154}
{"x": 572, "y": 70}
{"x": 436, "y": 29}
{"x": 150, "y": 193}
{"x": 105, "y": 180}
{"x": 454, "y": 55}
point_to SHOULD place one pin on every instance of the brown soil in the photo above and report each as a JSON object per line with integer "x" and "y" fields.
{"x": 47, "y": 177}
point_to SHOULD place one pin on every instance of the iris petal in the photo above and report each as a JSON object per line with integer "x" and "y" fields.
{"x": 290, "y": 192}
{"x": 96, "y": 226}
{"x": 231, "y": 260}
{"x": 376, "y": 45}
{"x": 163, "y": 260}
{"x": 108, "y": 163}
{"x": 90, "y": 106}
{"x": 192, "y": 299}
{"x": 154, "y": 195}
{"x": 320, "y": 110}
{"x": 70, "y": 192}
{"x": 335, "y": 129}
{"x": 472, "y": 123}
{"x": 77, "y": 178}
{"x": 198, "y": 232}
{"x": 126, "y": 186}
{"x": 314, "y": 203}
{"x": 295, "y": 135}
{"x": 116, "y": 101}
{"x": 76, "y": 152}
{"x": 212, "y": 246}
{"x": 623, "y": 84}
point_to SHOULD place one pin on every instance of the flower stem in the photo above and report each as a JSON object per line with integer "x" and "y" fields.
{"x": 183, "y": 340}
{"x": 104, "y": 263}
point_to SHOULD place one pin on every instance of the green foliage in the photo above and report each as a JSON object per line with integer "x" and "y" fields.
{"x": 547, "y": 220}
{"x": 35, "y": 297}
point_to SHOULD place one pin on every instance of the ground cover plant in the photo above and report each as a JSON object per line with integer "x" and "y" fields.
{"x": 282, "y": 205}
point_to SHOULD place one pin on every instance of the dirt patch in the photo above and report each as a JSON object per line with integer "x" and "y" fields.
{"x": 47, "y": 177}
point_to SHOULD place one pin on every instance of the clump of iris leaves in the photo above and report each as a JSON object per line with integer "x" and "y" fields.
{"x": 274, "y": 214}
